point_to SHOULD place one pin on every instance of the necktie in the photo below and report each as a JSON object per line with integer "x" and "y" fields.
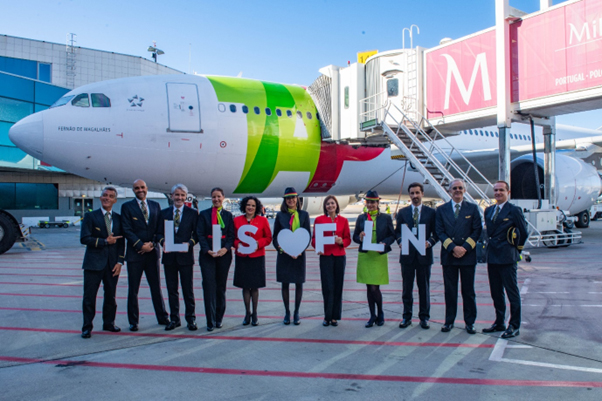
{"x": 457, "y": 212}
{"x": 176, "y": 219}
{"x": 144, "y": 210}
{"x": 108, "y": 222}
{"x": 415, "y": 217}
{"x": 497, "y": 211}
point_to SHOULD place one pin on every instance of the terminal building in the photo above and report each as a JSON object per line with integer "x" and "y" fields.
{"x": 33, "y": 75}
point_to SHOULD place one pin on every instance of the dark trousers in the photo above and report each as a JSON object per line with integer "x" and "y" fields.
{"x": 92, "y": 280}
{"x": 423, "y": 279}
{"x": 504, "y": 277}
{"x": 469, "y": 298}
{"x": 215, "y": 276}
{"x": 332, "y": 273}
{"x": 171, "y": 280}
{"x": 150, "y": 267}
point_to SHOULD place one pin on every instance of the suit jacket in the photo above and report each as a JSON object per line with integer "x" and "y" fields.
{"x": 384, "y": 230}
{"x": 428, "y": 217}
{"x": 283, "y": 221}
{"x": 204, "y": 231}
{"x": 94, "y": 235}
{"x": 186, "y": 233}
{"x": 463, "y": 231}
{"x": 499, "y": 250}
{"x": 137, "y": 231}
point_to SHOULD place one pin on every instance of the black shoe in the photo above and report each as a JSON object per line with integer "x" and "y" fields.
{"x": 218, "y": 325}
{"x": 325, "y": 323}
{"x": 405, "y": 323}
{"x": 470, "y": 329}
{"x": 447, "y": 327}
{"x": 192, "y": 326}
{"x": 247, "y": 319}
{"x": 510, "y": 332}
{"x": 380, "y": 320}
{"x": 209, "y": 328}
{"x": 370, "y": 322}
{"x": 172, "y": 325}
{"x": 296, "y": 319}
{"x": 133, "y": 327}
{"x": 86, "y": 333}
{"x": 494, "y": 328}
{"x": 287, "y": 318}
{"x": 111, "y": 327}
{"x": 164, "y": 322}
{"x": 334, "y": 323}
{"x": 425, "y": 324}
{"x": 254, "y": 319}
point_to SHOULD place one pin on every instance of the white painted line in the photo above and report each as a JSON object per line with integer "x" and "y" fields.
{"x": 498, "y": 350}
{"x": 550, "y": 365}
{"x": 525, "y": 287}
{"x": 594, "y": 292}
{"x": 518, "y": 346}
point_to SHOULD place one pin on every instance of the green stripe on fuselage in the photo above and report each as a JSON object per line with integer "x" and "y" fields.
{"x": 272, "y": 144}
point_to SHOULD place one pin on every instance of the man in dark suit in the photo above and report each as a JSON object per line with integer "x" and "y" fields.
{"x": 142, "y": 221}
{"x": 507, "y": 234}
{"x": 415, "y": 264}
{"x": 458, "y": 227}
{"x": 174, "y": 263}
{"x": 101, "y": 232}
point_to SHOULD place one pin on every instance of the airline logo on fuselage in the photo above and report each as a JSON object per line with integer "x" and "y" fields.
{"x": 136, "y": 101}
{"x": 466, "y": 92}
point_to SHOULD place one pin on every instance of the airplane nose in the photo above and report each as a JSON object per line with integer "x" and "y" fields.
{"x": 28, "y": 135}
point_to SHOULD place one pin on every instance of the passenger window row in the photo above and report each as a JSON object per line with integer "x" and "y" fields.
{"x": 492, "y": 134}
{"x": 267, "y": 111}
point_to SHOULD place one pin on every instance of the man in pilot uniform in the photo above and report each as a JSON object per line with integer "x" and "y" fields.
{"x": 458, "y": 227}
{"x": 180, "y": 263}
{"x": 101, "y": 232}
{"x": 507, "y": 233}
{"x": 414, "y": 264}
{"x": 142, "y": 220}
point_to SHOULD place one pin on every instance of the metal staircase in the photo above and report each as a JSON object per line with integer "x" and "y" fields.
{"x": 426, "y": 148}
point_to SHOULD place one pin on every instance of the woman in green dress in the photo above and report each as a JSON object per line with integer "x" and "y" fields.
{"x": 373, "y": 266}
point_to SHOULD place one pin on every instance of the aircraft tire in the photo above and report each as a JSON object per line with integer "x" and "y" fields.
{"x": 8, "y": 233}
{"x": 582, "y": 219}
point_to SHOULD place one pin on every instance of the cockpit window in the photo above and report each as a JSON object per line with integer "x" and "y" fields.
{"x": 100, "y": 100}
{"x": 81, "y": 100}
{"x": 62, "y": 101}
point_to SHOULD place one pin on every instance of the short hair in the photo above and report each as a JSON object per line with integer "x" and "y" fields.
{"x": 180, "y": 187}
{"x": 284, "y": 208}
{"x": 451, "y": 183}
{"x": 217, "y": 189}
{"x": 246, "y": 199}
{"x": 505, "y": 183}
{"x": 416, "y": 184}
{"x": 329, "y": 197}
{"x": 109, "y": 188}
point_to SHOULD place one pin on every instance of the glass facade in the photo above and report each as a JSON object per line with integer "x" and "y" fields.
{"x": 26, "y": 68}
{"x": 22, "y": 196}
{"x": 20, "y": 97}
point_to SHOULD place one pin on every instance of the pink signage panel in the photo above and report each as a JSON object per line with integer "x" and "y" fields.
{"x": 558, "y": 51}
{"x": 462, "y": 77}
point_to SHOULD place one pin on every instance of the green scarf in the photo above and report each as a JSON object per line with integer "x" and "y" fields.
{"x": 372, "y": 217}
{"x": 216, "y": 217}
{"x": 295, "y": 223}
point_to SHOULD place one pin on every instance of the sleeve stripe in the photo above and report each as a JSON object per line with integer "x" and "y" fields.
{"x": 447, "y": 243}
{"x": 136, "y": 243}
{"x": 471, "y": 242}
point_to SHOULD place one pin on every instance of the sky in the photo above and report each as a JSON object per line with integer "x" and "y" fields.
{"x": 280, "y": 41}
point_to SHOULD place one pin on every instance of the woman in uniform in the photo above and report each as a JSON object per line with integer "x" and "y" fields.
{"x": 373, "y": 266}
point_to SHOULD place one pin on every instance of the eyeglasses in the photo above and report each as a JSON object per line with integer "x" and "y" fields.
{"x": 457, "y": 188}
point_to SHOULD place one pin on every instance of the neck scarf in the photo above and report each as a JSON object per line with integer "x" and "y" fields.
{"x": 216, "y": 218}
{"x": 294, "y": 223}
{"x": 372, "y": 217}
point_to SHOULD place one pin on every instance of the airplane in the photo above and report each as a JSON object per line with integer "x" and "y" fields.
{"x": 253, "y": 137}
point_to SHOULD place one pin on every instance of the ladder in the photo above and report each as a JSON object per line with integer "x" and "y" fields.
{"x": 429, "y": 153}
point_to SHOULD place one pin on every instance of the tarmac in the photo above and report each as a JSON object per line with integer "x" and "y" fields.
{"x": 557, "y": 355}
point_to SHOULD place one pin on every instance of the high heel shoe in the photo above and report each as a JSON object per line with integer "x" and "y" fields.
{"x": 325, "y": 323}
{"x": 296, "y": 319}
{"x": 370, "y": 322}
{"x": 287, "y": 318}
{"x": 254, "y": 319}
{"x": 247, "y": 319}
{"x": 380, "y": 320}
{"x": 334, "y": 323}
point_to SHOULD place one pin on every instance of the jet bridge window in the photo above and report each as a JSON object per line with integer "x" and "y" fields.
{"x": 62, "y": 101}
{"x": 393, "y": 87}
{"x": 346, "y": 97}
{"x": 100, "y": 100}
{"x": 81, "y": 100}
